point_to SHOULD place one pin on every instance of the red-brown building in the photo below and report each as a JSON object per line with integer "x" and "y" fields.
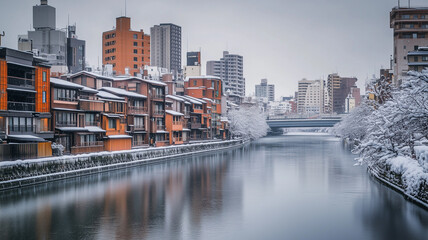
{"x": 125, "y": 48}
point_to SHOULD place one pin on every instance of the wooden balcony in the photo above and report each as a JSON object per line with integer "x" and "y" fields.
{"x": 88, "y": 105}
{"x": 137, "y": 110}
{"x": 158, "y": 113}
{"x": 158, "y": 97}
{"x": 177, "y": 126}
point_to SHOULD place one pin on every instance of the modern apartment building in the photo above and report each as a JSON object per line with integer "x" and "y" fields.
{"x": 338, "y": 89}
{"x": 230, "y": 69}
{"x": 166, "y": 47}
{"x": 48, "y": 42}
{"x": 193, "y": 67}
{"x": 25, "y": 114}
{"x": 418, "y": 60}
{"x": 127, "y": 50}
{"x": 265, "y": 90}
{"x": 75, "y": 51}
{"x": 310, "y": 98}
{"x": 410, "y": 27}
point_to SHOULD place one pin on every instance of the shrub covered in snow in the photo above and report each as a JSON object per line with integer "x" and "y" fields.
{"x": 390, "y": 132}
{"x": 57, "y": 149}
{"x": 248, "y": 122}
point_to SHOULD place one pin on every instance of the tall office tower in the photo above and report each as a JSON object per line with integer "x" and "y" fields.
{"x": 410, "y": 32}
{"x": 310, "y": 97}
{"x": 165, "y": 48}
{"x": 127, "y": 50}
{"x": 338, "y": 89}
{"x": 75, "y": 51}
{"x": 45, "y": 40}
{"x": 265, "y": 90}
{"x": 230, "y": 69}
{"x": 193, "y": 65}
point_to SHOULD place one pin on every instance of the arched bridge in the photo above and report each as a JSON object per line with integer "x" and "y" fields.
{"x": 302, "y": 123}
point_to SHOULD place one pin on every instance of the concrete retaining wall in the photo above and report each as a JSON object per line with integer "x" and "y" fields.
{"x": 28, "y": 172}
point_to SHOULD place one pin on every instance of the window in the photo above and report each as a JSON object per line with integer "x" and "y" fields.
{"x": 425, "y": 58}
{"x": 194, "y": 82}
{"x": 44, "y": 76}
{"x": 135, "y": 36}
{"x": 135, "y": 66}
{"x": 142, "y": 44}
{"x": 142, "y": 51}
{"x": 44, "y": 96}
{"x": 135, "y": 51}
{"x": 135, "y": 44}
{"x": 139, "y": 122}
{"x": 90, "y": 120}
{"x": 415, "y": 47}
{"x": 112, "y": 123}
{"x": 135, "y": 59}
{"x": 416, "y": 59}
{"x": 142, "y": 59}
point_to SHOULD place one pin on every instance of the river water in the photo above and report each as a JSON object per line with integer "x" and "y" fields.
{"x": 286, "y": 187}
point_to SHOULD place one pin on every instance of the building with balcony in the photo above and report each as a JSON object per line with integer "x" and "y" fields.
{"x": 127, "y": 50}
{"x": 155, "y": 92}
{"x": 174, "y": 125}
{"x": 183, "y": 106}
{"x": 418, "y": 60}
{"x": 208, "y": 89}
{"x": 137, "y": 115}
{"x": 24, "y": 105}
{"x": 410, "y": 27}
{"x": 230, "y": 69}
{"x": 76, "y": 112}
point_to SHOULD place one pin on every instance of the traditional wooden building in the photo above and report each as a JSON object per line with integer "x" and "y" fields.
{"x": 24, "y": 106}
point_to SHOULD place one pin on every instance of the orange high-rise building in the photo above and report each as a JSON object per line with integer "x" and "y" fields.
{"x": 124, "y": 48}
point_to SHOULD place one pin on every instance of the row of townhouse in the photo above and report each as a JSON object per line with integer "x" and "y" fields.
{"x": 86, "y": 112}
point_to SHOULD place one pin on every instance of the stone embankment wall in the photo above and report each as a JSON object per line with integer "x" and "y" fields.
{"x": 28, "y": 172}
{"x": 395, "y": 181}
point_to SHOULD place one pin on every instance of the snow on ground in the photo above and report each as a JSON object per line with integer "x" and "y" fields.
{"x": 412, "y": 172}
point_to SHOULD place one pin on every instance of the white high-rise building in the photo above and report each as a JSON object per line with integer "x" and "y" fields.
{"x": 265, "y": 90}
{"x": 310, "y": 97}
{"x": 230, "y": 69}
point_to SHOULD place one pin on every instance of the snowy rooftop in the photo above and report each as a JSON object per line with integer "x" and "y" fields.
{"x": 67, "y": 84}
{"x": 122, "y": 78}
{"x": 107, "y": 95}
{"x": 175, "y": 98}
{"x": 202, "y": 77}
{"x": 122, "y": 92}
{"x": 96, "y": 75}
{"x": 174, "y": 113}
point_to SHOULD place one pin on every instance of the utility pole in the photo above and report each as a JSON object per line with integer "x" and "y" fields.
{"x": 1, "y": 35}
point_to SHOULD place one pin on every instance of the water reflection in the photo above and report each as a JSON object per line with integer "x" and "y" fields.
{"x": 289, "y": 187}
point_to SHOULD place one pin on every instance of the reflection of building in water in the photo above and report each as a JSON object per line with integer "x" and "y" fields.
{"x": 155, "y": 200}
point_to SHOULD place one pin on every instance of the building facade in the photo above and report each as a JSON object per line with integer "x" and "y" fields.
{"x": 230, "y": 69}
{"x": 46, "y": 41}
{"x": 418, "y": 60}
{"x": 25, "y": 113}
{"x": 75, "y": 51}
{"x": 127, "y": 50}
{"x": 265, "y": 90}
{"x": 166, "y": 47}
{"x": 410, "y": 26}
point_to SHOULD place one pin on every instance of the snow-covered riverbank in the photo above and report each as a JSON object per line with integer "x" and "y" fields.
{"x": 34, "y": 171}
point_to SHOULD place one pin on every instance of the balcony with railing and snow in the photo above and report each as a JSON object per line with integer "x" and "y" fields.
{"x": 138, "y": 110}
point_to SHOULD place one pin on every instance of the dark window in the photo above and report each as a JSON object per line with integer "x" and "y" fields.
{"x": 135, "y": 36}
{"x": 135, "y": 66}
{"x": 112, "y": 123}
{"x": 44, "y": 76}
{"x": 416, "y": 47}
{"x": 135, "y": 44}
{"x": 135, "y": 51}
{"x": 135, "y": 59}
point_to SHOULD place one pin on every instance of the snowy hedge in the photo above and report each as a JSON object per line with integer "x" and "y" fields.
{"x": 391, "y": 132}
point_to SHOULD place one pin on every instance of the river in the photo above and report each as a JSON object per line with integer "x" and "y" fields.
{"x": 284, "y": 187}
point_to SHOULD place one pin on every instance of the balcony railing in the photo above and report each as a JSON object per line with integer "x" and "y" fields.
{"x": 158, "y": 112}
{"x": 139, "y": 127}
{"x": 89, "y": 144}
{"x": 19, "y": 129}
{"x": 177, "y": 123}
{"x": 95, "y": 124}
{"x": 65, "y": 124}
{"x": 20, "y": 106}
{"x": 158, "y": 96}
{"x": 91, "y": 106}
{"x": 137, "y": 110}
{"x": 160, "y": 127}
{"x": 21, "y": 82}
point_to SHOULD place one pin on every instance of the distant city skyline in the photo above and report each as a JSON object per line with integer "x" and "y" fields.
{"x": 281, "y": 41}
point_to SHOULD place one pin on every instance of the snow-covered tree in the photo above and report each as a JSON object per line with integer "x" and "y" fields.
{"x": 248, "y": 122}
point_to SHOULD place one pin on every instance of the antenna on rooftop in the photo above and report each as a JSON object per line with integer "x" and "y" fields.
{"x": 125, "y": 8}
{"x": 398, "y": 3}
{"x": 1, "y": 35}
{"x": 409, "y": 3}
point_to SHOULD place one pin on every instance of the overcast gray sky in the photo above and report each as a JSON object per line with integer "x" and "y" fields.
{"x": 281, "y": 40}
